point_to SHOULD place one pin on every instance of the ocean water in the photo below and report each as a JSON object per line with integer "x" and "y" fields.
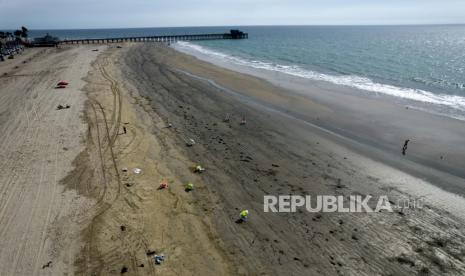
{"x": 420, "y": 64}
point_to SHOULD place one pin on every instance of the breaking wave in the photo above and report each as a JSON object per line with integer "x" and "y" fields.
{"x": 366, "y": 84}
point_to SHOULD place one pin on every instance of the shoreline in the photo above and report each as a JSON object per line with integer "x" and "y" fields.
{"x": 378, "y": 114}
{"x": 446, "y": 104}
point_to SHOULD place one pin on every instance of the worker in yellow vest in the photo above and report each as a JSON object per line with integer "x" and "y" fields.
{"x": 189, "y": 187}
{"x": 244, "y": 214}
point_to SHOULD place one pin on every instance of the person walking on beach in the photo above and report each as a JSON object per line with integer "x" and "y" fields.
{"x": 243, "y": 215}
{"x": 124, "y": 130}
{"x": 404, "y": 148}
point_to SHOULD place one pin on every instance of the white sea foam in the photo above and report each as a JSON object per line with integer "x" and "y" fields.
{"x": 452, "y": 101}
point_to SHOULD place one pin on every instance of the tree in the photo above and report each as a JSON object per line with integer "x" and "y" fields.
{"x": 18, "y": 33}
{"x": 24, "y": 32}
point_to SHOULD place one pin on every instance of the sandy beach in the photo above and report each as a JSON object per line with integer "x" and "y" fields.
{"x": 80, "y": 188}
{"x": 39, "y": 217}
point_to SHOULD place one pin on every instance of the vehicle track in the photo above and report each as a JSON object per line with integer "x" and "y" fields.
{"x": 107, "y": 153}
{"x": 16, "y": 188}
{"x": 117, "y": 102}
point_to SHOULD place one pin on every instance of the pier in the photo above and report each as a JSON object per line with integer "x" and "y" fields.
{"x": 233, "y": 34}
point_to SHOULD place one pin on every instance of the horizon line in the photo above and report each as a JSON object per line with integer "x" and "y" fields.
{"x": 257, "y": 25}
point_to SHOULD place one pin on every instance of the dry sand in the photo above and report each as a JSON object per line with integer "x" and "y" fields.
{"x": 102, "y": 220}
{"x": 38, "y": 145}
{"x": 133, "y": 220}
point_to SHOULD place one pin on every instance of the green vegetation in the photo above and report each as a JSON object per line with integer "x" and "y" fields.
{"x": 9, "y": 39}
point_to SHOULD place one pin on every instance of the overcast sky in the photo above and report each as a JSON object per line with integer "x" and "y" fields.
{"x": 64, "y": 14}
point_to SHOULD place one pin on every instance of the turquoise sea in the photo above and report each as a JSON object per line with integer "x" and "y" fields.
{"x": 424, "y": 64}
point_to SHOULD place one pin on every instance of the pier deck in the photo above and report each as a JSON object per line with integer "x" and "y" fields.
{"x": 233, "y": 34}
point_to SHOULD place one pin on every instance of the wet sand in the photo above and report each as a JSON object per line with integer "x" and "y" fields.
{"x": 275, "y": 153}
{"x": 112, "y": 220}
{"x": 370, "y": 122}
